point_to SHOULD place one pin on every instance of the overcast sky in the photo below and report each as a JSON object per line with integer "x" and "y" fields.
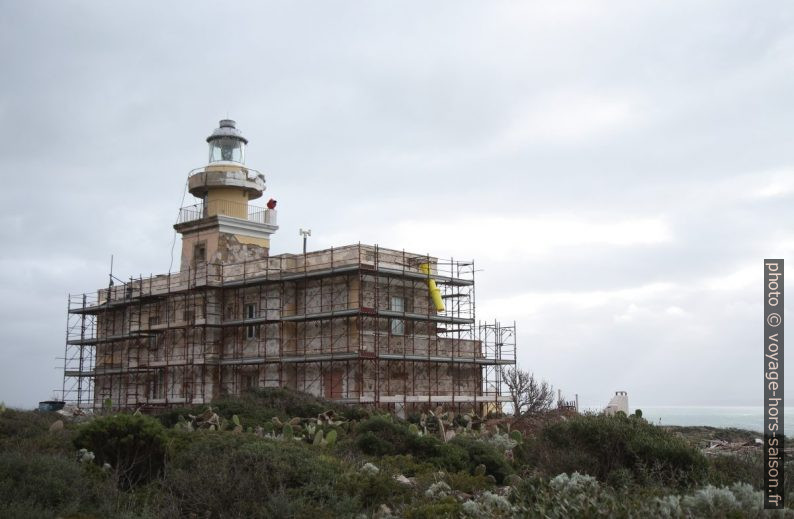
{"x": 617, "y": 170}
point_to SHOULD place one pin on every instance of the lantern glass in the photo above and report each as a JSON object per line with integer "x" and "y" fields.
{"x": 227, "y": 150}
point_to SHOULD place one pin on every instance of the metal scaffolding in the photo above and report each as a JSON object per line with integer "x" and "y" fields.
{"x": 354, "y": 324}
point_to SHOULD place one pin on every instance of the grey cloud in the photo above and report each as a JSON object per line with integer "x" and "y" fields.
{"x": 365, "y": 115}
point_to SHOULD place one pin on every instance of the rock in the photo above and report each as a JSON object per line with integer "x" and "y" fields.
{"x": 402, "y": 479}
{"x": 383, "y": 512}
{"x": 57, "y": 425}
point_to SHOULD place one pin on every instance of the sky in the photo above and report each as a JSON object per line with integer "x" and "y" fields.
{"x": 617, "y": 170}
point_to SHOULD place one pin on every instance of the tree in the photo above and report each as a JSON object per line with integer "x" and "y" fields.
{"x": 528, "y": 395}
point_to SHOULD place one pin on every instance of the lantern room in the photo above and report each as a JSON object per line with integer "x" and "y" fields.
{"x": 227, "y": 143}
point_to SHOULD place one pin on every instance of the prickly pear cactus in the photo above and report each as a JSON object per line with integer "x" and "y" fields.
{"x": 516, "y": 436}
{"x": 330, "y": 438}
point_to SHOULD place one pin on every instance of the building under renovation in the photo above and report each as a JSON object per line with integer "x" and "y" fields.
{"x": 357, "y": 324}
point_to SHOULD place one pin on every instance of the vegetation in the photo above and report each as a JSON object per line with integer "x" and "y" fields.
{"x": 276, "y": 453}
{"x": 618, "y": 448}
{"x": 134, "y": 446}
{"x": 527, "y": 394}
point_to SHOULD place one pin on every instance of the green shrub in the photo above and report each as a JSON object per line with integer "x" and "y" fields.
{"x": 16, "y": 424}
{"x": 46, "y": 485}
{"x": 372, "y": 490}
{"x": 370, "y": 443}
{"x": 598, "y": 445}
{"x": 451, "y": 457}
{"x": 134, "y": 446}
{"x": 259, "y": 406}
{"x": 444, "y": 508}
{"x": 407, "y": 465}
{"x": 620, "y": 478}
{"x": 729, "y": 468}
{"x": 481, "y": 453}
{"x": 468, "y": 483}
{"x": 29, "y": 431}
{"x": 379, "y": 436}
{"x": 51, "y": 482}
{"x": 219, "y": 474}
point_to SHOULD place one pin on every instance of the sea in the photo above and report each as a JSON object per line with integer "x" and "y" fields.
{"x": 750, "y": 418}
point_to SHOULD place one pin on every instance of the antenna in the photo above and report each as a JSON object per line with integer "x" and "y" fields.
{"x": 111, "y": 277}
{"x": 305, "y": 233}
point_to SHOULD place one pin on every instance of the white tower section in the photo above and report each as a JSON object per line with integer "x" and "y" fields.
{"x": 619, "y": 402}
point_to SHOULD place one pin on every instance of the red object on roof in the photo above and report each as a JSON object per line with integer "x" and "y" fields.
{"x": 271, "y": 204}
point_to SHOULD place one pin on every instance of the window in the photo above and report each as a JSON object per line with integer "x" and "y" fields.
{"x": 157, "y": 384}
{"x": 199, "y": 253}
{"x": 249, "y": 381}
{"x": 156, "y": 346}
{"x": 250, "y": 313}
{"x": 397, "y": 304}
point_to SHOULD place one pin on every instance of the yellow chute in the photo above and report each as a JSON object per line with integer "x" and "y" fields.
{"x": 435, "y": 293}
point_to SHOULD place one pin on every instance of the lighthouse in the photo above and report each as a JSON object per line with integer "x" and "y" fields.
{"x": 223, "y": 227}
{"x": 353, "y": 323}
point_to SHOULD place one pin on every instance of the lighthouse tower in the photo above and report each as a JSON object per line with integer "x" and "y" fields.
{"x": 223, "y": 227}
